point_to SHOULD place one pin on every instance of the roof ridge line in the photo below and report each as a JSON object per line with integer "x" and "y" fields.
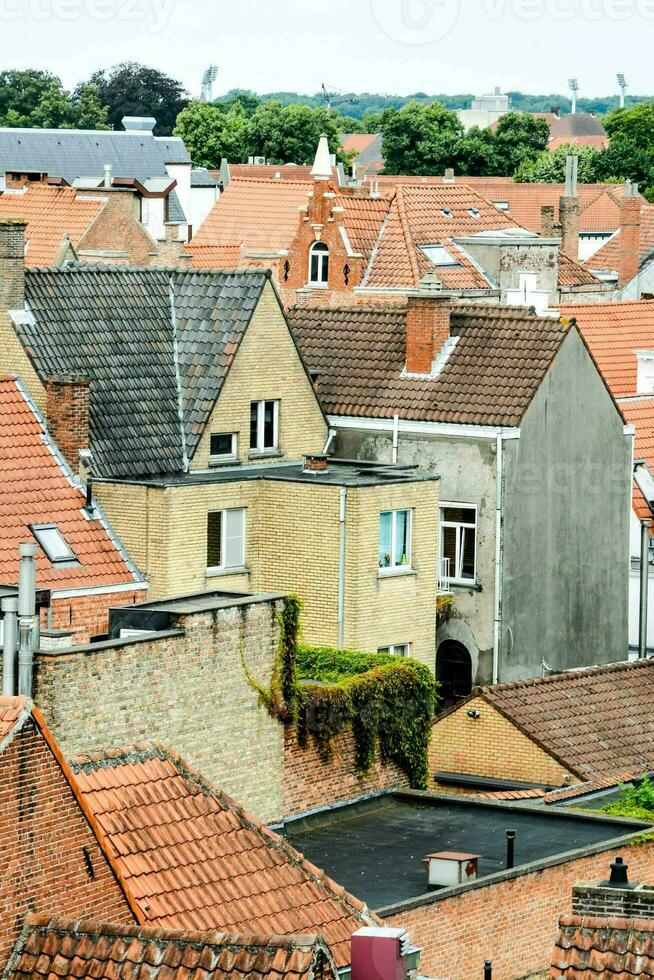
{"x": 406, "y": 232}
{"x": 530, "y": 682}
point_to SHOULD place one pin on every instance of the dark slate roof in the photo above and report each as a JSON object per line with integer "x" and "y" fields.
{"x": 73, "y": 153}
{"x": 156, "y": 345}
{"x": 490, "y": 377}
{"x": 176, "y": 214}
{"x": 200, "y": 177}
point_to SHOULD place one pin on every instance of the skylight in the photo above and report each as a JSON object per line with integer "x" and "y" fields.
{"x": 439, "y": 256}
{"x": 53, "y": 543}
{"x": 446, "y": 212}
{"x": 474, "y": 212}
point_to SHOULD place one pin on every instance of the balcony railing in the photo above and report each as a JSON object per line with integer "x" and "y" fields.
{"x": 444, "y": 576}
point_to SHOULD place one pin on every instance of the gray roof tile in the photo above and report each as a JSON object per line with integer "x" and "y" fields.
{"x": 133, "y": 332}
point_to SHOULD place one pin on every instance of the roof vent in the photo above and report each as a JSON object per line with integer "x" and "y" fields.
{"x": 139, "y": 124}
{"x": 619, "y": 877}
{"x": 446, "y": 868}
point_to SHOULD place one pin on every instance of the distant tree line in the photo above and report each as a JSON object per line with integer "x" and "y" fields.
{"x": 421, "y": 133}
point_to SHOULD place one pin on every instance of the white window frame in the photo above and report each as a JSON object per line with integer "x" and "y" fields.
{"x": 213, "y": 569}
{"x": 261, "y": 427}
{"x": 322, "y": 250}
{"x": 68, "y": 558}
{"x": 454, "y": 578}
{"x": 232, "y": 454}
{"x": 394, "y": 569}
{"x": 394, "y": 648}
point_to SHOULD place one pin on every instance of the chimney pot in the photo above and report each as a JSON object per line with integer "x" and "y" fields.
{"x": 316, "y": 464}
{"x": 427, "y": 330}
{"x": 448, "y": 178}
{"x": 569, "y": 210}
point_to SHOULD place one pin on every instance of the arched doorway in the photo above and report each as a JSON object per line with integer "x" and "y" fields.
{"x": 453, "y": 673}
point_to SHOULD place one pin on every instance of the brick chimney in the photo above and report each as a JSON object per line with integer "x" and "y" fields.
{"x": 615, "y": 897}
{"x": 547, "y": 220}
{"x": 427, "y": 330}
{"x": 12, "y": 264}
{"x": 569, "y": 210}
{"x": 67, "y": 415}
{"x": 629, "y": 240}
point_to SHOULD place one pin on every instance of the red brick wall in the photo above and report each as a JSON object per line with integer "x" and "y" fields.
{"x": 629, "y": 240}
{"x": 12, "y": 264}
{"x": 42, "y": 833}
{"x": 513, "y": 923}
{"x": 67, "y": 415}
{"x": 117, "y": 229}
{"x": 311, "y": 782}
{"x": 88, "y": 615}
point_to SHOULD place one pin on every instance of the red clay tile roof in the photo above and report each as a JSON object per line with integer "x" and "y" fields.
{"x": 592, "y": 948}
{"x": 607, "y": 258}
{"x": 357, "y": 141}
{"x": 51, "y": 948}
{"x": 595, "y": 722}
{"x": 51, "y": 213}
{"x": 13, "y": 711}
{"x": 490, "y": 377}
{"x": 640, "y": 412}
{"x": 431, "y": 215}
{"x": 37, "y": 488}
{"x": 265, "y": 215}
{"x": 572, "y": 273}
{"x": 269, "y": 171}
{"x": 614, "y": 332}
{"x": 194, "y": 859}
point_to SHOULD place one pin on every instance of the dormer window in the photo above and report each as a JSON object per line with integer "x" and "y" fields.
{"x": 53, "y": 544}
{"x": 319, "y": 265}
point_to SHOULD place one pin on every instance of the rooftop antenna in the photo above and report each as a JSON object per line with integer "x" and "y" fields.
{"x": 573, "y": 85}
{"x": 622, "y": 82}
{"x": 209, "y": 77}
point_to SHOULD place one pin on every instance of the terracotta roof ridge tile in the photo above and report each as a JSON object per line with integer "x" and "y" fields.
{"x": 564, "y": 675}
{"x": 406, "y": 232}
{"x": 575, "y": 921}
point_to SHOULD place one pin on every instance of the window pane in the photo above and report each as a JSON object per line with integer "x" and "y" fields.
{"x": 385, "y": 522}
{"x": 468, "y": 553}
{"x": 214, "y": 539}
{"x": 315, "y": 258}
{"x": 401, "y": 650}
{"x": 221, "y": 443}
{"x": 402, "y": 555}
{"x": 325, "y": 268}
{"x": 449, "y": 546}
{"x": 254, "y": 424}
{"x": 460, "y": 515}
{"x": 269, "y": 425}
{"x": 234, "y": 528}
{"x": 53, "y": 543}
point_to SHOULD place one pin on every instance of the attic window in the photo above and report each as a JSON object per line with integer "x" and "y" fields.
{"x": 447, "y": 213}
{"x": 502, "y": 205}
{"x": 439, "y": 256}
{"x": 474, "y": 212}
{"x": 53, "y": 543}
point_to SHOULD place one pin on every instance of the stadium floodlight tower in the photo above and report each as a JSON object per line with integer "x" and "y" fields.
{"x": 573, "y": 85}
{"x": 622, "y": 82}
{"x": 209, "y": 77}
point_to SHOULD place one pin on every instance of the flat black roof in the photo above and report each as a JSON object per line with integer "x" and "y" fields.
{"x": 375, "y": 848}
{"x": 341, "y": 473}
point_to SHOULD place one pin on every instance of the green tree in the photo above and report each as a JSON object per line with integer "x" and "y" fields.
{"x": 37, "y": 98}
{"x": 475, "y": 154}
{"x": 549, "y": 168}
{"x": 419, "y": 139}
{"x": 636, "y": 124}
{"x": 21, "y": 92}
{"x": 131, "y": 89}
{"x": 88, "y": 109}
{"x": 519, "y": 139}
{"x": 211, "y": 132}
{"x": 290, "y": 134}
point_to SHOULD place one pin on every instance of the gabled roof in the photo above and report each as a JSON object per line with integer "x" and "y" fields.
{"x": 194, "y": 859}
{"x": 357, "y": 141}
{"x": 422, "y": 215}
{"x": 579, "y": 128}
{"x": 73, "y": 153}
{"x": 265, "y": 215}
{"x": 607, "y": 258}
{"x": 54, "y": 215}
{"x": 572, "y": 273}
{"x": 614, "y": 332}
{"x": 156, "y": 345}
{"x": 594, "y": 948}
{"x": 595, "y": 722}
{"x": 269, "y": 171}
{"x": 640, "y": 412}
{"x": 50, "y": 948}
{"x": 490, "y": 378}
{"x": 37, "y": 487}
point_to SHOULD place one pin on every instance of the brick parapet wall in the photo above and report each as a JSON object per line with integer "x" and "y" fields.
{"x": 512, "y": 922}
{"x": 43, "y": 833}
{"x": 67, "y": 415}
{"x": 592, "y": 899}
{"x": 86, "y": 616}
{"x": 311, "y": 782}
{"x": 190, "y": 692}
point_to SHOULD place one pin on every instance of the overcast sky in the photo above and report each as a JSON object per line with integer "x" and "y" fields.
{"x": 388, "y": 46}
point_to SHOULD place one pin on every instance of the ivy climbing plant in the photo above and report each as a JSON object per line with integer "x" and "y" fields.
{"x": 388, "y": 702}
